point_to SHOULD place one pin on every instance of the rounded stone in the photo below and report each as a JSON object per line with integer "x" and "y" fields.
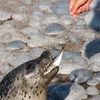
{"x": 77, "y": 92}
{"x": 66, "y": 20}
{"x": 92, "y": 19}
{"x": 80, "y": 75}
{"x": 50, "y": 19}
{"x": 67, "y": 68}
{"x": 92, "y": 90}
{"x": 14, "y": 45}
{"x": 66, "y": 91}
{"x": 91, "y": 47}
{"x": 36, "y": 52}
{"x": 60, "y": 7}
{"x": 80, "y": 60}
{"x": 74, "y": 38}
{"x": 93, "y": 82}
{"x": 78, "y": 28}
{"x": 95, "y": 66}
{"x": 54, "y": 29}
{"x": 95, "y": 58}
{"x": 70, "y": 55}
{"x": 20, "y": 16}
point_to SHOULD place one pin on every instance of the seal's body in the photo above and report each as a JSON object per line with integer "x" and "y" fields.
{"x": 29, "y": 81}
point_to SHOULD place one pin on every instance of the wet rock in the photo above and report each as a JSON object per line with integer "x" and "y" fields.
{"x": 80, "y": 75}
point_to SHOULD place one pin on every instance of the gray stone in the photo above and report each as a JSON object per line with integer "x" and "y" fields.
{"x": 22, "y": 58}
{"x": 43, "y": 5}
{"x": 70, "y": 55}
{"x": 77, "y": 92}
{"x": 80, "y": 75}
{"x": 37, "y": 12}
{"x": 80, "y": 60}
{"x": 4, "y": 15}
{"x": 50, "y": 19}
{"x": 60, "y": 8}
{"x": 67, "y": 68}
{"x": 73, "y": 38}
{"x": 66, "y": 20}
{"x": 96, "y": 97}
{"x": 95, "y": 58}
{"x": 36, "y": 52}
{"x": 14, "y": 45}
{"x": 95, "y": 67}
{"x": 27, "y": 1}
{"x": 66, "y": 91}
{"x": 93, "y": 82}
{"x": 92, "y": 90}
{"x": 54, "y": 29}
{"x": 92, "y": 19}
{"x": 35, "y": 23}
{"x": 20, "y": 16}
{"x": 78, "y": 28}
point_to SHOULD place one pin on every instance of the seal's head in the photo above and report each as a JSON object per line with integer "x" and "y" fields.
{"x": 29, "y": 80}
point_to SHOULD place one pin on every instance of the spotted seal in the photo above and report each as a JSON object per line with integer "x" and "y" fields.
{"x": 30, "y": 80}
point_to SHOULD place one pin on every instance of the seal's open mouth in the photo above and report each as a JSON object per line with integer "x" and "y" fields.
{"x": 53, "y": 64}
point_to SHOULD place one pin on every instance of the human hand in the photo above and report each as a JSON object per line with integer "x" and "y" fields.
{"x": 78, "y": 6}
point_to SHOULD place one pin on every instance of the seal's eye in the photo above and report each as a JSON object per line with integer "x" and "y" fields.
{"x": 29, "y": 69}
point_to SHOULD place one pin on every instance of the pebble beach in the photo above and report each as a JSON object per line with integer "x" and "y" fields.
{"x": 29, "y": 27}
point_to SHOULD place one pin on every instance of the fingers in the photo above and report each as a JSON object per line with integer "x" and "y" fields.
{"x": 71, "y": 4}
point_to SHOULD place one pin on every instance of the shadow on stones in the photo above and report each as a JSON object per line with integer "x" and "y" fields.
{"x": 95, "y": 23}
{"x": 92, "y": 48}
{"x": 58, "y": 91}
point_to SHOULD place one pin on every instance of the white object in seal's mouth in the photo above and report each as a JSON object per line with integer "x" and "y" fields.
{"x": 54, "y": 64}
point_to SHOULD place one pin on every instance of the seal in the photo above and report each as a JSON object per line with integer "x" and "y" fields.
{"x": 29, "y": 81}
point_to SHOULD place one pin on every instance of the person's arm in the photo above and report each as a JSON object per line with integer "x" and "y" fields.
{"x": 78, "y": 6}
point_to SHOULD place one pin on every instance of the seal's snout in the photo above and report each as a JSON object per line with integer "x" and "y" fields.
{"x": 46, "y": 55}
